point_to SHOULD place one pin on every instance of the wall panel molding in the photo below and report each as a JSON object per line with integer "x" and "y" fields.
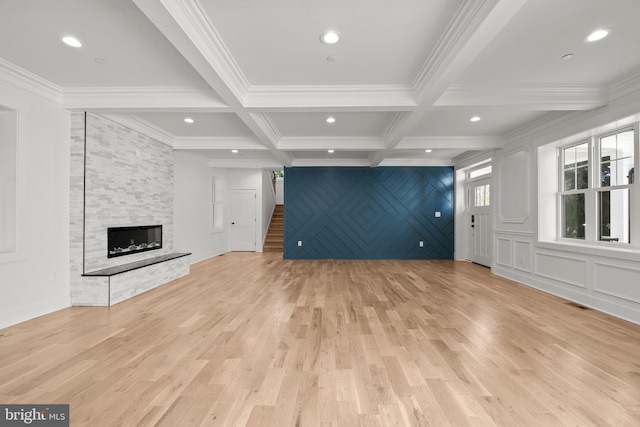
{"x": 513, "y": 187}
{"x": 503, "y": 252}
{"x": 621, "y": 282}
{"x": 561, "y": 268}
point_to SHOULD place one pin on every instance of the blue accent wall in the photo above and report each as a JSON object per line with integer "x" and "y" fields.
{"x": 368, "y": 213}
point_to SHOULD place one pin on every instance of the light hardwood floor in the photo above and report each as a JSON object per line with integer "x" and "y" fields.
{"x": 251, "y": 339}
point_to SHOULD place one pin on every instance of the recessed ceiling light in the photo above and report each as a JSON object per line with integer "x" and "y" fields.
{"x": 597, "y": 35}
{"x": 567, "y": 57}
{"x": 71, "y": 41}
{"x": 331, "y": 119}
{"x": 234, "y": 151}
{"x": 330, "y": 151}
{"x": 428, "y": 150}
{"x": 188, "y": 120}
{"x": 475, "y": 119}
{"x": 331, "y": 58}
{"x": 330, "y": 37}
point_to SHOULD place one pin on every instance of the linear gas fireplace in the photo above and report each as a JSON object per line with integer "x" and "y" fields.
{"x": 131, "y": 240}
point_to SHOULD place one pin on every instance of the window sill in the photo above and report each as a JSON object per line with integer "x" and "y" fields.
{"x": 602, "y": 250}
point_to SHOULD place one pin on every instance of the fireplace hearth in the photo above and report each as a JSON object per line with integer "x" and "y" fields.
{"x": 131, "y": 240}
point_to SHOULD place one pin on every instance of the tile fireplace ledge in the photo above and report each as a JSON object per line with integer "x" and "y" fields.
{"x": 112, "y": 271}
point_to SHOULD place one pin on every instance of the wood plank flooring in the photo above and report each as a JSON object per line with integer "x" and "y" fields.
{"x": 253, "y": 340}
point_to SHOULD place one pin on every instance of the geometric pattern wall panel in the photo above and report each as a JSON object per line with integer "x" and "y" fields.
{"x": 368, "y": 213}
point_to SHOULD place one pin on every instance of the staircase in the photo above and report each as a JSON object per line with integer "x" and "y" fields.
{"x": 274, "y": 242}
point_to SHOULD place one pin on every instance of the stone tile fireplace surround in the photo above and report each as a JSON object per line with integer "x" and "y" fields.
{"x": 119, "y": 178}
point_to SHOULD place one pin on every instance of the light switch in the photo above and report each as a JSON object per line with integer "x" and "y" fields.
{"x": 437, "y": 214}
{"x": 421, "y": 244}
{"x": 299, "y": 242}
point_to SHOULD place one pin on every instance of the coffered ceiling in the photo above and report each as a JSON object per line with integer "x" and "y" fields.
{"x": 254, "y": 76}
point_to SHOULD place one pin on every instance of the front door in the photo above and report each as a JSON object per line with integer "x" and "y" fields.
{"x": 243, "y": 220}
{"x": 479, "y": 223}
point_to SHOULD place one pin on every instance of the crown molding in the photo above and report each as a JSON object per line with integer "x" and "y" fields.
{"x": 217, "y": 143}
{"x": 626, "y": 85}
{"x": 535, "y": 127}
{"x": 451, "y": 142}
{"x": 334, "y": 97}
{"x": 194, "y": 22}
{"x": 29, "y": 81}
{"x": 245, "y": 164}
{"x": 472, "y": 158}
{"x": 142, "y": 126}
{"x": 536, "y": 98}
{"x": 142, "y": 99}
{"x": 355, "y": 143}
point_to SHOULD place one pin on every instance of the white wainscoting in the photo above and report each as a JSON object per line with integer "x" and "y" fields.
{"x": 522, "y": 255}
{"x": 617, "y": 280}
{"x": 566, "y": 269}
{"x": 503, "y": 251}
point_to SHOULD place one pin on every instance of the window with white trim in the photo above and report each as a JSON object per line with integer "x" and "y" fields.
{"x": 596, "y": 177}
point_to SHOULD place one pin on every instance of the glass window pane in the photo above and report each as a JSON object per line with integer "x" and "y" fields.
{"x": 608, "y": 148}
{"x": 488, "y": 196}
{"x": 569, "y": 157}
{"x": 582, "y": 154}
{"x": 582, "y": 178}
{"x": 605, "y": 175}
{"x": 569, "y": 179}
{"x": 613, "y": 209}
{"x": 573, "y": 216}
{"x": 625, "y": 144}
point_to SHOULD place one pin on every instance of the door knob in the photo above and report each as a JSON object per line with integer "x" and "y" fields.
{"x": 232, "y": 223}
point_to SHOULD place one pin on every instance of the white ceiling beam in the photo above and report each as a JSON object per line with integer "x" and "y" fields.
{"x": 335, "y": 143}
{"x": 450, "y": 142}
{"x": 217, "y": 143}
{"x": 472, "y": 29}
{"x": 330, "y": 98}
{"x": 245, "y": 164}
{"x": 417, "y": 162}
{"x": 188, "y": 28}
{"x": 143, "y": 99}
{"x": 331, "y": 162}
{"x": 531, "y": 98}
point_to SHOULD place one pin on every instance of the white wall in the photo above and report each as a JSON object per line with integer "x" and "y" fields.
{"x": 35, "y": 280}
{"x": 250, "y": 179}
{"x": 280, "y": 191}
{"x": 268, "y": 203}
{"x": 192, "y": 208}
{"x": 604, "y": 279}
{"x": 8, "y": 180}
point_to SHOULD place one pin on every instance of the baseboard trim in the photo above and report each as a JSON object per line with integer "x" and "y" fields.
{"x": 589, "y": 300}
{"x": 196, "y": 259}
{"x": 32, "y": 311}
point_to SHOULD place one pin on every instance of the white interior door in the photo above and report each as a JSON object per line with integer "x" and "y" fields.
{"x": 243, "y": 220}
{"x": 479, "y": 222}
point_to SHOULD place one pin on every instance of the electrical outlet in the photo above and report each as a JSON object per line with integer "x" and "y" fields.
{"x": 299, "y": 242}
{"x": 437, "y": 214}
{"x": 421, "y": 244}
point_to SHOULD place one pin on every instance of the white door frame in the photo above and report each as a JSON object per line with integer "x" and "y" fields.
{"x": 478, "y": 223}
{"x": 252, "y": 217}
